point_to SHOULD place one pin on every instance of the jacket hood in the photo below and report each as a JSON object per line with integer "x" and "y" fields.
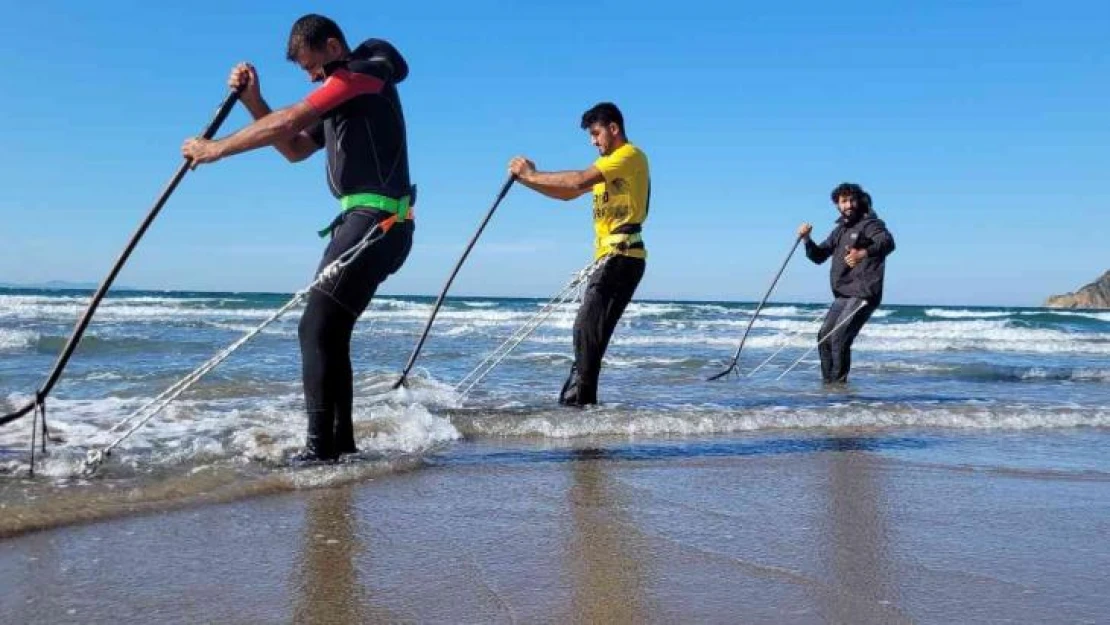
{"x": 857, "y": 217}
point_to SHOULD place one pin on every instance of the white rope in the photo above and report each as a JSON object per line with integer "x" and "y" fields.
{"x": 825, "y": 338}
{"x": 569, "y": 293}
{"x": 153, "y": 407}
{"x": 785, "y": 343}
{"x": 484, "y": 368}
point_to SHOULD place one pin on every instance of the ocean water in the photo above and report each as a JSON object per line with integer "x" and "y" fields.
{"x": 982, "y": 372}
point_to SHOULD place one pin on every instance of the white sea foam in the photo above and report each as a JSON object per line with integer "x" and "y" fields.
{"x": 112, "y": 310}
{"x": 652, "y": 309}
{"x": 1101, "y": 316}
{"x": 704, "y": 420}
{"x": 984, "y": 335}
{"x": 780, "y": 311}
{"x": 612, "y": 360}
{"x": 262, "y": 428}
{"x": 945, "y": 313}
{"x": 917, "y": 336}
{"x": 17, "y": 340}
{"x": 1081, "y": 374}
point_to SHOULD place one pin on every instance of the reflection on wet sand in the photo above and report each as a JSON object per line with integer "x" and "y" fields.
{"x": 857, "y": 559}
{"x": 603, "y": 558}
{"x": 326, "y": 576}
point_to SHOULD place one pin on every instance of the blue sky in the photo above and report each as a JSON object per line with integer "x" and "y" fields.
{"x": 980, "y": 128}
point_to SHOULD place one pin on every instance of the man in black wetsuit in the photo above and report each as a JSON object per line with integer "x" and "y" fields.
{"x": 356, "y": 115}
{"x": 858, "y": 247}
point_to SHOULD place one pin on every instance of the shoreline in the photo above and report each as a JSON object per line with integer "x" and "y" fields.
{"x": 121, "y": 492}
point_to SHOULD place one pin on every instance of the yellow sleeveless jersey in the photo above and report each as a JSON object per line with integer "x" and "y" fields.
{"x": 621, "y": 202}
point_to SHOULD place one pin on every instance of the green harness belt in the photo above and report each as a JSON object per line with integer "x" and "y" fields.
{"x": 400, "y": 207}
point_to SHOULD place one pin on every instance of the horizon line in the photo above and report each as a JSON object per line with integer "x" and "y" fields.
{"x": 62, "y": 285}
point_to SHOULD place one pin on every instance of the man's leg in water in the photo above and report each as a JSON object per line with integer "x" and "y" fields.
{"x": 328, "y": 323}
{"x": 841, "y": 342}
{"x": 824, "y": 348}
{"x": 608, "y": 293}
{"x": 324, "y": 330}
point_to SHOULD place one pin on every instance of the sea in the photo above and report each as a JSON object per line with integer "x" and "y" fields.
{"x": 1002, "y": 387}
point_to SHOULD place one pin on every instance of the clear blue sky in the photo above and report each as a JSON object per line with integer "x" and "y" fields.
{"x": 980, "y": 128}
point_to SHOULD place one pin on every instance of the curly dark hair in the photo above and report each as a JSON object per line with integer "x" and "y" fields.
{"x": 853, "y": 190}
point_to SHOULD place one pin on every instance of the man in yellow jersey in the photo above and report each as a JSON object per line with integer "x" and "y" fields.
{"x": 621, "y": 185}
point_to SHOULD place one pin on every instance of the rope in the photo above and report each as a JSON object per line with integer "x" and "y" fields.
{"x": 148, "y": 411}
{"x": 569, "y": 293}
{"x": 785, "y": 342}
{"x": 34, "y": 429}
{"x": 825, "y": 338}
{"x": 751, "y": 322}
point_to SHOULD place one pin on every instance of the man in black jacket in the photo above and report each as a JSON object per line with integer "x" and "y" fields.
{"x": 858, "y": 246}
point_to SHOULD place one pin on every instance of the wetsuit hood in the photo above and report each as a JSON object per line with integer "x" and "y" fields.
{"x": 382, "y": 53}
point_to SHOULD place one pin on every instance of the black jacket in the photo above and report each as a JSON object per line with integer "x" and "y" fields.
{"x": 866, "y": 279}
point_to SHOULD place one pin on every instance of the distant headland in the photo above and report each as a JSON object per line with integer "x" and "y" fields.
{"x": 1094, "y": 295}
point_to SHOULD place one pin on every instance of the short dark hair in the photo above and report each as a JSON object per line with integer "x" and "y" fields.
{"x": 604, "y": 113}
{"x": 312, "y": 31}
{"x": 851, "y": 189}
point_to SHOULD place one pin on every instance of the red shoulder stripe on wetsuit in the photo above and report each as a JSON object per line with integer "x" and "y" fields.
{"x": 340, "y": 87}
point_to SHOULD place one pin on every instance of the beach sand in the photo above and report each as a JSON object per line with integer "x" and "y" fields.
{"x": 765, "y": 531}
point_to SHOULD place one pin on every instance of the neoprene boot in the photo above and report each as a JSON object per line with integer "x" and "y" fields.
{"x": 345, "y": 436}
{"x": 577, "y": 391}
{"x": 320, "y": 443}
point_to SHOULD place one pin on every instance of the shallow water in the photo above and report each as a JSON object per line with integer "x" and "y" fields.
{"x": 987, "y": 372}
{"x": 890, "y": 526}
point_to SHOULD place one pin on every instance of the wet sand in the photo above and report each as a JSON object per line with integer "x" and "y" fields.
{"x": 827, "y": 534}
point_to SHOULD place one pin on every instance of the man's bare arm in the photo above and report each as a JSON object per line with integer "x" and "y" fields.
{"x": 295, "y": 148}
{"x": 281, "y": 125}
{"x": 560, "y": 185}
{"x": 278, "y": 126}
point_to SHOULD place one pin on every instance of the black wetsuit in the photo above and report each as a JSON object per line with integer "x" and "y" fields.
{"x": 362, "y": 128}
{"x": 857, "y": 291}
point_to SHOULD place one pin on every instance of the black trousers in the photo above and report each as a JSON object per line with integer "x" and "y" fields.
{"x": 836, "y": 352}
{"x": 329, "y": 319}
{"x": 608, "y": 292}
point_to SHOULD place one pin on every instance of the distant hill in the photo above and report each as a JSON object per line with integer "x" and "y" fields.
{"x": 1094, "y": 295}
